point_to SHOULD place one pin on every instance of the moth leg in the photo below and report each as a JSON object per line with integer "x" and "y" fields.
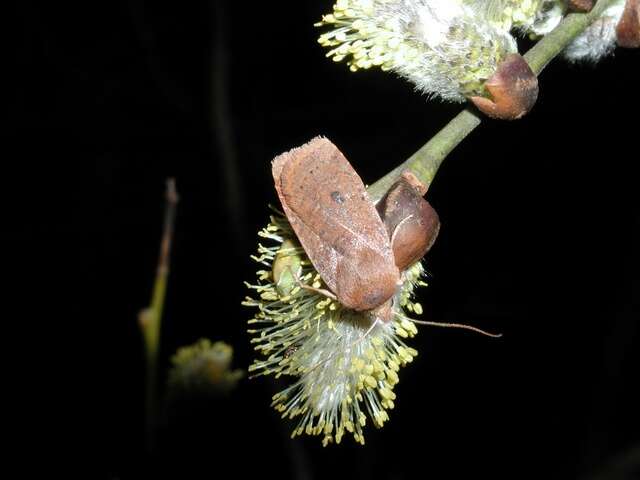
{"x": 296, "y": 278}
{"x": 321, "y": 291}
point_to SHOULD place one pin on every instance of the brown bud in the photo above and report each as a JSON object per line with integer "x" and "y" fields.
{"x": 582, "y": 6}
{"x": 513, "y": 89}
{"x": 411, "y": 222}
{"x": 628, "y": 29}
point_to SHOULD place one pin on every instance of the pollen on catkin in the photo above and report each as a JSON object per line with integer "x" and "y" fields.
{"x": 531, "y": 17}
{"x": 344, "y": 365}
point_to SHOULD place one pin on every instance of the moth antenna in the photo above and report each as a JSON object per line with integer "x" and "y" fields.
{"x": 454, "y": 325}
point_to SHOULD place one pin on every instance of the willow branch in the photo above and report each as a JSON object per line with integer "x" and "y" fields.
{"x": 426, "y": 161}
{"x": 151, "y": 317}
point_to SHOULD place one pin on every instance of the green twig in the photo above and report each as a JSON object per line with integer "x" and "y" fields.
{"x": 150, "y": 318}
{"x": 426, "y": 161}
{"x": 553, "y": 43}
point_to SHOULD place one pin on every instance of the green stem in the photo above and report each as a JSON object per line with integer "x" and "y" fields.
{"x": 151, "y": 317}
{"x": 425, "y": 162}
{"x": 553, "y": 43}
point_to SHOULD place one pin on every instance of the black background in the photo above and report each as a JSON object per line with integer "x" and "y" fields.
{"x": 539, "y": 241}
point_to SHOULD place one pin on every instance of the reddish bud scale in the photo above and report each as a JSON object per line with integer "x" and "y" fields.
{"x": 513, "y": 89}
{"x": 412, "y": 224}
{"x": 628, "y": 28}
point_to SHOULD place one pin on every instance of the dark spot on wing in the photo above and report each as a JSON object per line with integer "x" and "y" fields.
{"x": 337, "y": 197}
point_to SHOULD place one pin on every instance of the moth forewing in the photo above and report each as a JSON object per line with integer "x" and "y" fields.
{"x": 336, "y": 222}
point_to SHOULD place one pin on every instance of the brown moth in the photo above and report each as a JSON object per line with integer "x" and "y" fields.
{"x": 338, "y": 226}
{"x": 412, "y": 223}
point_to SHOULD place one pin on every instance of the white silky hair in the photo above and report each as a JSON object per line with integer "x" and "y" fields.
{"x": 434, "y": 19}
{"x": 449, "y": 48}
{"x": 599, "y": 39}
{"x": 444, "y": 62}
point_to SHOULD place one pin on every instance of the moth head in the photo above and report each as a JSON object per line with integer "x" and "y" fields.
{"x": 362, "y": 285}
{"x": 384, "y": 313}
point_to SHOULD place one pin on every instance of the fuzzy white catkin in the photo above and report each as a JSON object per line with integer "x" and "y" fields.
{"x": 344, "y": 367}
{"x": 460, "y": 50}
{"x": 446, "y": 48}
{"x": 450, "y": 48}
{"x": 599, "y": 39}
